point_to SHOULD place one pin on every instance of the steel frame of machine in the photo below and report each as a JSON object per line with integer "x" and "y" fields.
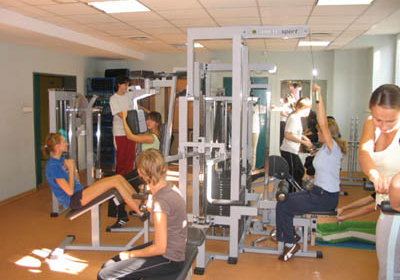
{"x": 236, "y": 151}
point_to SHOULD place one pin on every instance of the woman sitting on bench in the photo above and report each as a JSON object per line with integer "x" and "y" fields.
{"x": 324, "y": 195}
{"x": 166, "y": 254}
{"x": 63, "y": 179}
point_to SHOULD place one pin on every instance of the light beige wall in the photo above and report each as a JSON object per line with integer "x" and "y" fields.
{"x": 17, "y": 160}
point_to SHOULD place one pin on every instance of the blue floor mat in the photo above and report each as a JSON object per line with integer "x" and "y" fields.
{"x": 349, "y": 244}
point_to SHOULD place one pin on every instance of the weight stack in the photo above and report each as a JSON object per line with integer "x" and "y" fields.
{"x": 221, "y": 189}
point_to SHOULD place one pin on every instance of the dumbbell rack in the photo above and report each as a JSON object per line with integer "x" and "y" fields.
{"x": 352, "y": 159}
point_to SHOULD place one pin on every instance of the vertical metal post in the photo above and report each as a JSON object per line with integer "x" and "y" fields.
{"x": 72, "y": 135}
{"x": 245, "y": 94}
{"x": 183, "y": 136}
{"x": 96, "y": 226}
{"x": 89, "y": 141}
{"x": 226, "y": 134}
{"x": 236, "y": 115}
{"x": 64, "y": 120}
{"x": 196, "y": 135}
{"x": 267, "y": 130}
{"x": 98, "y": 139}
{"x": 168, "y": 129}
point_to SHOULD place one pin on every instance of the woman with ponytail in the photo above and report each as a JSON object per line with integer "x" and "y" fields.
{"x": 62, "y": 176}
{"x": 324, "y": 194}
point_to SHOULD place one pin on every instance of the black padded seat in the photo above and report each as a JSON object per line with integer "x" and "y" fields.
{"x": 324, "y": 213}
{"x": 97, "y": 201}
{"x": 195, "y": 236}
{"x": 278, "y": 167}
{"x": 387, "y": 208}
{"x": 190, "y": 256}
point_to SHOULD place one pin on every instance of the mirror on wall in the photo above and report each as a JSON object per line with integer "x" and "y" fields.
{"x": 293, "y": 90}
{"x": 301, "y": 88}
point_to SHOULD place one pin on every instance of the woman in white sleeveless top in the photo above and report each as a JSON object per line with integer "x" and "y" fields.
{"x": 379, "y": 158}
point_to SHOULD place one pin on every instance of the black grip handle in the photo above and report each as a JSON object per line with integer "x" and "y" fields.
{"x": 282, "y": 191}
{"x": 369, "y": 186}
{"x": 387, "y": 208}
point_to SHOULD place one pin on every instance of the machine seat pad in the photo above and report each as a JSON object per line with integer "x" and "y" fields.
{"x": 324, "y": 213}
{"x": 195, "y": 236}
{"x": 190, "y": 256}
{"x": 387, "y": 208}
{"x": 95, "y": 202}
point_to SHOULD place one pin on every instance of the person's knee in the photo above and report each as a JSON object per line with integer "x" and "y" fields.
{"x": 117, "y": 180}
{"x": 99, "y": 275}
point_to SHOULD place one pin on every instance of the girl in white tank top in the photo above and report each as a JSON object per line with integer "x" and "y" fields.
{"x": 387, "y": 162}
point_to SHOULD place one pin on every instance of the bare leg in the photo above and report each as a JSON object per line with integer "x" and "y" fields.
{"x": 119, "y": 183}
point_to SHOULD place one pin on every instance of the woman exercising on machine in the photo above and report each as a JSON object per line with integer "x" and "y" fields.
{"x": 63, "y": 179}
{"x": 148, "y": 140}
{"x": 166, "y": 254}
{"x": 324, "y": 195}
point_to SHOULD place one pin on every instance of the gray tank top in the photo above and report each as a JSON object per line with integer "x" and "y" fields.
{"x": 172, "y": 203}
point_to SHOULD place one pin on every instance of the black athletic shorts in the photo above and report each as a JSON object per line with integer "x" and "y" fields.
{"x": 75, "y": 201}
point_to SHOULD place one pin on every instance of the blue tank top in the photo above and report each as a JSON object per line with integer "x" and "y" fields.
{"x": 327, "y": 165}
{"x": 55, "y": 169}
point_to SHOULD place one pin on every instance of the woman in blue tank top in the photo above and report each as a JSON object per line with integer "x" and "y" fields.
{"x": 324, "y": 195}
{"x": 63, "y": 178}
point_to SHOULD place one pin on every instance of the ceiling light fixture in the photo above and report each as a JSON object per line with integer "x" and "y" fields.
{"x": 273, "y": 70}
{"x": 313, "y": 43}
{"x": 196, "y": 45}
{"x": 343, "y": 2}
{"x": 113, "y": 7}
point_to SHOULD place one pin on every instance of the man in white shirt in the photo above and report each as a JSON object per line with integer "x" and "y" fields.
{"x": 294, "y": 138}
{"x": 120, "y": 101}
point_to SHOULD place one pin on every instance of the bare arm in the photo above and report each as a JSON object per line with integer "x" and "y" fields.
{"x": 367, "y": 146}
{"x": 322, "y": 119}
{"x": 394, "y": 192}
{"x": 144, "y": 109}
{"x": 359, "y": 212}
{"x": 139, "y": 138}
{"x": 358, "y": 203}
{"x": 159, "y": 246}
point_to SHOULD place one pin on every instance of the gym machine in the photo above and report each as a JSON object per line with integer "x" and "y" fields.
{"x": 352, "y": 158}
{"x": 156, "y": 83}
{"x": 221, "y": 146}
{"x": 72, "y": 113}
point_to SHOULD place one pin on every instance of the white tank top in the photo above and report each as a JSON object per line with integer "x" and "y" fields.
{"x": 387, "y": 162}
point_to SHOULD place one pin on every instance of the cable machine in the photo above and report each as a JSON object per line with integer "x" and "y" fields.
{"x": 221, "y": 147}
{"x": 73, "y": 114}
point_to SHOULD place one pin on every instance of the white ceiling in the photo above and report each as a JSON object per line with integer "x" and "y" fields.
{"x": 72, "y": 26}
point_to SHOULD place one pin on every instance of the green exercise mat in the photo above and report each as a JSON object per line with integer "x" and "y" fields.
{"x": 347, "y": 231}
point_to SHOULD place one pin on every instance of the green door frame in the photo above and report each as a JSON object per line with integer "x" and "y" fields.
{"x": 36, "y": 120}
{"x": 261, "y": 145}
{"x": 36, "y": 125}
